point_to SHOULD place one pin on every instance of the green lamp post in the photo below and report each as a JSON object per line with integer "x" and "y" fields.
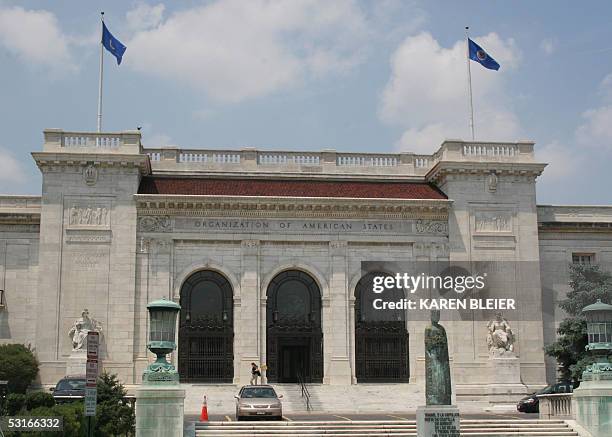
{"x": 599, "y": 329}
{"x": 162, "y": 331}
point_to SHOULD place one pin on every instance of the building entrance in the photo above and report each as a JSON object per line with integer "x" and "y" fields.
{"x": 294, "y": 337}
{"x": 206, "y": 329}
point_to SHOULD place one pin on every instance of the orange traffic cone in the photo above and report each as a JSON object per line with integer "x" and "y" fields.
{"x": 204, "y": 413}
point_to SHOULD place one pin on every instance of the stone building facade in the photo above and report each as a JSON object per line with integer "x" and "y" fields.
{"x": 264, "y": 249}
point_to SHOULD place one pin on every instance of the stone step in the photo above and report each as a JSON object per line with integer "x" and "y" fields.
{"x": 469, "y": 427}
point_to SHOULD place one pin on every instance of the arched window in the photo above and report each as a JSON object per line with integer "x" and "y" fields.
{"x": 381, "y": 337}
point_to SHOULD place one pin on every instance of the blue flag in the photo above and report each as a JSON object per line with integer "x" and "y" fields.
{"x": 112, "y": 44}
{"x": 479, "y": 55}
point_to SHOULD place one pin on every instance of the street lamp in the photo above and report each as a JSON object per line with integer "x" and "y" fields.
{"x": 599, "y": 329}
{"x": 162, "y": 330}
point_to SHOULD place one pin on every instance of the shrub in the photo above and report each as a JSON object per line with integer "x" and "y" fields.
{"x": 18, "y": 366}
{"x": 39, "y": 399}
{"x": 15, "y": 402}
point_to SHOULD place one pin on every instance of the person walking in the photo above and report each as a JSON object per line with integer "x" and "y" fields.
{"x": 255, "y": 373}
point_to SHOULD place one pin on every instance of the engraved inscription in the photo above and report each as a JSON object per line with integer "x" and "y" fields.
{"x": 88, "y": 258}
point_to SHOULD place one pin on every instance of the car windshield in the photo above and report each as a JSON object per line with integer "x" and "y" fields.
{"x": 259, "y": 392}
{"x": 71, "y": 384}
{"x": 545, "y": 390}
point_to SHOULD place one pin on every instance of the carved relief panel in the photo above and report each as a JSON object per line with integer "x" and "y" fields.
{"x": 89, "y": 214}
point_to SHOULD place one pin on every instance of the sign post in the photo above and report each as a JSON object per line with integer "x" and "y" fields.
{"x": 91, "y": 377}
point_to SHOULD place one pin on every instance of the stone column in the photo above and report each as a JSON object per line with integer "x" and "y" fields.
{"x": 339, "y": 369}
{"x": 249, "y": 334}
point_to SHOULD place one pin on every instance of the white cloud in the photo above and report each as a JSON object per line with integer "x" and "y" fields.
{"x": 427, "y": 92}
{"x": 235, "y": 50}
{"x": 605, "y": 87}
{"x": 563, "y": 161}
{"x": 34, "y": 37}
{"x": 596, "y": 131}
{"x": 145, "y": 16}
{"x": 548, "y": 46}
{"x": 11, "y": 170}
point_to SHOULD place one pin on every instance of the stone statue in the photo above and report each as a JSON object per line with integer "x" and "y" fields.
{"x": 437, "y": 367}
{"x": 80, "y": 329}
{"x": 500, "y": 338}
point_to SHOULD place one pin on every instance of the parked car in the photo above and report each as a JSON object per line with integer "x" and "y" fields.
{"x": 531, "y": 404}
{"x": 258, "y": 401}
{"x": 69, "y": 388}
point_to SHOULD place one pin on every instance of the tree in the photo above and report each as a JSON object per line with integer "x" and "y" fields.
{"x": 114, "y": 416}
{"x": 18, "y": 366}
{"x": 588, "y": 283}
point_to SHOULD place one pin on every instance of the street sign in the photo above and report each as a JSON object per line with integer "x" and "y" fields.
{"x": 93, "y": 345}
{"x": 91, "y": 373}
{"x": 91, "y": 397}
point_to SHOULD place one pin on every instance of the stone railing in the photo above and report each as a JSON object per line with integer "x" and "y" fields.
{"x": 174, "y": 159}
{"x": 556, "y": 406}
{"x": 331, "y": 161}
{"x": 57, "y": 140}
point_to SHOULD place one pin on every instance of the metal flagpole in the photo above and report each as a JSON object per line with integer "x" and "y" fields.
{"x": 100, "y": 79}
{"x": 469, "y": 73}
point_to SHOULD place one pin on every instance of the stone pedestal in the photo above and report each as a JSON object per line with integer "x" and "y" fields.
{"x": 159, "y": 411}
{"x": 437, "y": 421}
{"x": 592, "y": 404}
{"x": 76, "y": 363}
{"x": 505, "y": 386}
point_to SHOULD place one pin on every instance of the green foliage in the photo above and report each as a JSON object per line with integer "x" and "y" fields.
{"x": 18, "y": 366}
{"x": 39, "y": 399}
{"x": 588, "y": 283}
{"x": 15, "y": 402}
{"x": 110, "y": 389}
{"x": 114, "y": 416}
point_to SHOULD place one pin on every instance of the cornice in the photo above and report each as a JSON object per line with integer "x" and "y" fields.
{"x": 26, "y": 218}
{"x": 48, "y": 160}
{"x": 580, "y": 227}
{"x": 245, "y": 206}
{"x": 444, "y": 168}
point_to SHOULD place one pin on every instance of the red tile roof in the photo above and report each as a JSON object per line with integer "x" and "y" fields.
{"x": 289, "y": 188}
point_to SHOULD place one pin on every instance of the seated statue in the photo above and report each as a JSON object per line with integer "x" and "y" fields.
{"x": 500, "y": 338}
{"x": 80, "y": 329}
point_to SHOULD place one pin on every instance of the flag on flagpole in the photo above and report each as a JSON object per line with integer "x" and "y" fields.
{"x": 112, "y": 44}
{"x": 477, "y": 53}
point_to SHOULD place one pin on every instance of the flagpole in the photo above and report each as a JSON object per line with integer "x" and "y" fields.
{"x": 101, "y": 74}
{"x": 469, "y": 74}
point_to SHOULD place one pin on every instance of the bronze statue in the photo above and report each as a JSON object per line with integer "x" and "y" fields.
{"x": 437, "y": 368}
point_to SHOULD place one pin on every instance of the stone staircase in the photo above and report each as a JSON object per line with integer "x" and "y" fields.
{"x": 361, "y": 398}
{"x": 357, "y": 428}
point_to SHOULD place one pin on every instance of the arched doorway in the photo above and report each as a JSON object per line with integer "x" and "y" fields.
{"x": 206, "y": 329}
{"x": 294, "y": 337}
{"x": 381, "y": 337}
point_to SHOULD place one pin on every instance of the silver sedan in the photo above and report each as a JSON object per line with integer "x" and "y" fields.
{"x": 258, "y": 401}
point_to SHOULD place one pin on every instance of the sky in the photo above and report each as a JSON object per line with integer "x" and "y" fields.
{"x": 350, "y": 75}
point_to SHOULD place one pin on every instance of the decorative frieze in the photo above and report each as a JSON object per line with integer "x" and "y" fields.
{"x": 226, "y": 206}
{"x": 89, "y": 215}
{"x": 155, "y": 224}
{"x": 431, "y": 227}
{"x": 492, "y": 221}
{"x": 89, "y": 236}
